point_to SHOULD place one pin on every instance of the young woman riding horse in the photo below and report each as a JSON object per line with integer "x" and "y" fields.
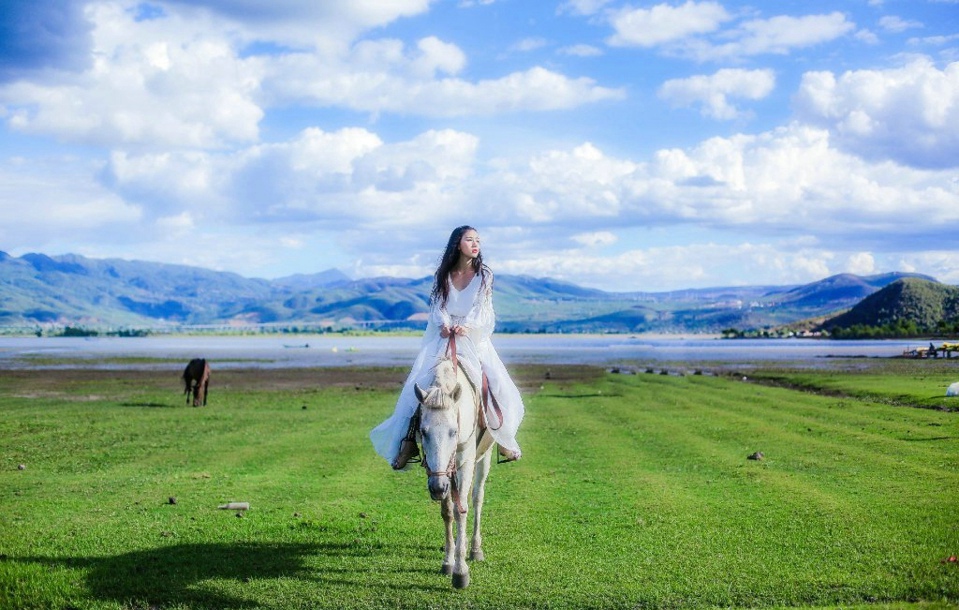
{"x": 461, "y": 304}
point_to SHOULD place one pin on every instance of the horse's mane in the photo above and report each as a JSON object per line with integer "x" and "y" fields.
{"x": 444, "y": 383}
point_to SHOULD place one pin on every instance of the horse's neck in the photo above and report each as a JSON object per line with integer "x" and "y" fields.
{"x": 468, "y": 408}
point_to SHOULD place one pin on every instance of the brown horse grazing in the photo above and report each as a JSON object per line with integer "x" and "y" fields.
{"x": 196, "y": 379}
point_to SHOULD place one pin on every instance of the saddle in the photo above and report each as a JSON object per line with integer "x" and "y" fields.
{"x": 488, "y": 400}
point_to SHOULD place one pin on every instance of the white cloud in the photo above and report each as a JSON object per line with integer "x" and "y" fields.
{"x": 582, "y": 7}
{"x": 581, "y": 50}
{"x": 866, "y": 36}
{"x": 178, "y": 81}
{"x": 321, "y": 178}
{"x": 861, "y": 263}
{"x": 596, "y": 239}
{"x": 437, "y": 56}
{"x": 695, "y": 30}
{"x": 714, "y": 93}
{"x": 894, "y": 24}
{"x": 152, "y": 84}
{"x": 790, "y": 180}
{"x": 940, "y": 264}
{"x": 299, "y": 23}
{"x": 909, "y": 114}
{"x": 352, "y": 187}
{"x": 380, "y": 86}
{"x": 662, "y": 268}
{"x": 664, "y": 23}
{"x": 778, "y": 35}
{"x": 51, "y": 201}
{"x": 529, "y": 44}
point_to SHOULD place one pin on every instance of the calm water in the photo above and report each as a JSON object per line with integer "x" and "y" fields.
{"x": 324, "y": 350}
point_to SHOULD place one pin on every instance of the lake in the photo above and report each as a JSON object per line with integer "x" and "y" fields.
{"x": 336, "y": 350}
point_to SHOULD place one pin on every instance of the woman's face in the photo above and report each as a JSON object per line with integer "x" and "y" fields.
{"x": 470, "y": 244}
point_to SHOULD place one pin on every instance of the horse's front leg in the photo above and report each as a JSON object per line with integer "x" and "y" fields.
{"x": 446, "y": 509}
{"x": 461, "y": 570}
{"x": 479, "y": 494}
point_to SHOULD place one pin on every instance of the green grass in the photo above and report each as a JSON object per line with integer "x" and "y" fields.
{"x": 916, "y": 383}
{"x": 634, "y": 492}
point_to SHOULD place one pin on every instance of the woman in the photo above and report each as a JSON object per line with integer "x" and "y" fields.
{"x": 461, "y": 304}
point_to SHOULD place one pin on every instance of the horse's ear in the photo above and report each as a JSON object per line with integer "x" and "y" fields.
{"x": 419, "y": 393}
{"x": 457, "y": 391}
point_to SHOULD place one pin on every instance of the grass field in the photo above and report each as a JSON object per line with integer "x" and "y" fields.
{"x": 635, "y": 491}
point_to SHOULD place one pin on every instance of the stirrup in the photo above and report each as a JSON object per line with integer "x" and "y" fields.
{"x": 409, "y": 453}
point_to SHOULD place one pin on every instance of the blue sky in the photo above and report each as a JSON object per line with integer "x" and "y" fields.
{"x": 617, "y": 145}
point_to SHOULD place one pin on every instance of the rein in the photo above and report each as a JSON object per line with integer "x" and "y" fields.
{"x": 450, "y": 471}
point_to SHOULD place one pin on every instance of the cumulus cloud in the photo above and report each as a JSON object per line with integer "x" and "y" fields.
{"x": 324, "y": 178}
{"x": 664, "y": 23}
{"x": 153, "y": 83}
{"x": 181, "y": 80}
{"x": 789, "y": 180}
{"x": 179, "y": 94}
{"x": 380, "y": 86}
{"x": 909, "y": 114}
{"x": 778, "y": 35}
{"x": 556, "y": 213}
{"x": 715, "y": 92}
{"x": 697, "y": 30}
{"x": 861, "y": 263}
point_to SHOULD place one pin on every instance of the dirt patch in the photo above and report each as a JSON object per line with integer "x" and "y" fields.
{"x": 83, "y": 382}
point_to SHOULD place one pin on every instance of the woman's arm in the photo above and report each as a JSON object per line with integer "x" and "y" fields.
{"x": 439, "y": 318}
{"x": 481, "y": 319}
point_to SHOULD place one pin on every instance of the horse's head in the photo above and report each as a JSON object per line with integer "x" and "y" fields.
{"x": 439, "y": 427}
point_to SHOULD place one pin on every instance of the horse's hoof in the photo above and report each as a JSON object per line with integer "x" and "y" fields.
{"x": 447, "y": 569}
{"x": 477, "y": 555}
{"x": 461, "y": 581}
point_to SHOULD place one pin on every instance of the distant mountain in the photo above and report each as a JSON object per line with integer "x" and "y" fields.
{"x": 913, "y": 304}
{"x": 838, "y": 291}
{"x": 300, "y": 281}
{"x": 36, "y": 289}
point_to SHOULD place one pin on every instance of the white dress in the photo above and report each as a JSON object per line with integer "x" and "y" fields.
{"x": 471, "y": 307}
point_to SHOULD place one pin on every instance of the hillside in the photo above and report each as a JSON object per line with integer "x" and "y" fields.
{"x": 908, "y": 306}
{"x": 37, "y": 290}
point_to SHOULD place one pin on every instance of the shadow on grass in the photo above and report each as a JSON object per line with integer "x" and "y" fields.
{"x": 151, "y": 405}
{"x": 183, "y": 574}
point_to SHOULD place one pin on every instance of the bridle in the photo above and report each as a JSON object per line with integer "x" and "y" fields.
{"x": 450, "y": 471}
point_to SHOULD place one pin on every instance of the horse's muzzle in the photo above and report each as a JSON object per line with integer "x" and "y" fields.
{"x": 439, "y": 486}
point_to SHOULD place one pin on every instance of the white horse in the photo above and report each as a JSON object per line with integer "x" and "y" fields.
{"x": 456, "y": 455}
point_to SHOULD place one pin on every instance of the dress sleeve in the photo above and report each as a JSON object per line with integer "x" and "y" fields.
{"x": 481, "y": 320}
{"x": 438, "y": 316}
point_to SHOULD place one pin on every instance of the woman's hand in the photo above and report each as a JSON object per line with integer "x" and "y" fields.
{"x": 446, "y": 331}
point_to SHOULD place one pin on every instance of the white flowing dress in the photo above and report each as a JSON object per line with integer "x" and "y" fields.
{"x": 471, "y": 307}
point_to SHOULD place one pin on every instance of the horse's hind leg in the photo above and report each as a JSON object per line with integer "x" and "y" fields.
{"x": 479, "y": 494}
{"x": 446, "y": 509}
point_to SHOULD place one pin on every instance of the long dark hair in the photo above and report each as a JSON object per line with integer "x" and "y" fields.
{"x": 451, "y": 256}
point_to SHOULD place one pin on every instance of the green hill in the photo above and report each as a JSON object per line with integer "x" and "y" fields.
{"x": 906, "y": 307}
